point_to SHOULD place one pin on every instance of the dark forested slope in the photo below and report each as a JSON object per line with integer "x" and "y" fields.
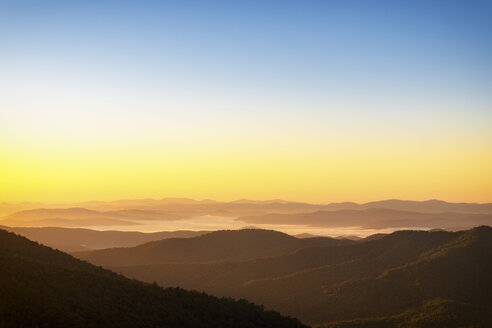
{"x": 42, "y": 287}
{"x": 391, "y": 278}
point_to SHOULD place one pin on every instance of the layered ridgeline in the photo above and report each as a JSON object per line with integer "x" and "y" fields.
{"x": 412, "y": 278}
{"x": 79, "y": 239}
{"x": 374, "y": 218}
{"x": 42, "y": 287}
{"x": 218, "y": 246}
{"x": 135, "y": 213}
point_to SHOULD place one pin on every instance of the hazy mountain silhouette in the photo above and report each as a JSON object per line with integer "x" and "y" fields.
{"x": 41, "y": 287}
{"x": 384, "y": 279}
{"x": 78, "y": 239}
{"x": 8, "y": 208}
{"x": 80, "y": 217}
{"x": 226, "y": 245}
{"x": 430, "y": 206}
{"x": 305, "y": 235}
{"x": 374, "y": 218}
{"x": 381, "y": 214}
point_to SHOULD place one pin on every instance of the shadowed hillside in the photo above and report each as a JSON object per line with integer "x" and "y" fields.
{"x": 217, "y": 246}
{"x": 41, "y": 287}
{"x": 431, "y": 314}
{"x": 387, "y": 277}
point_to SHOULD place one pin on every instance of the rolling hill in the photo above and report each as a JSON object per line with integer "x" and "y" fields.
{"x": 398, "y": 213}
{"x": 282, "y": 206}
{"x": 375, "y": 218}
{"x": 399, "y": 277}
{"x": 429, "y": 206}
{"x": 82, "y": 217}
{"x": 42, "y": 287}
{"x": 218, "y": 246}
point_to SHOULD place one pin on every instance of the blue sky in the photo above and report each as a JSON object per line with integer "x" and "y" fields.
{"x": 357, "y": 75}
{"x": 284, "y": 60}
{"x": 316, "y": 48}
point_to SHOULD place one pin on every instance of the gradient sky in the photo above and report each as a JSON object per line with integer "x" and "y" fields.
{"x": 315, "y": 101}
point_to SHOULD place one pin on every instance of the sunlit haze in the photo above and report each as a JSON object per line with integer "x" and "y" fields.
{"x": 315, "y": 101}
{"x": 246, "y": 163}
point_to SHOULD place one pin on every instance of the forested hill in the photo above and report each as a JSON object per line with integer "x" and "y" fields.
{"x": 438, "y": 277}
{"x": 218, "y": 246}
{"x": 42, "y": 287}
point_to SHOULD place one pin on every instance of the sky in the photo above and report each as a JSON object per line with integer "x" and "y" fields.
{"x": 316, "y": 101}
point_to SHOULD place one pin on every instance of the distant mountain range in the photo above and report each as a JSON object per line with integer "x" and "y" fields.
{"x": 381, "y": 214}
{"x": 407, "y": 278}
{"x": 77, "y": 216}
{"x": 428, "y": 206}
{"x": 41, "y": 287}
{"x": 374, "y": 218}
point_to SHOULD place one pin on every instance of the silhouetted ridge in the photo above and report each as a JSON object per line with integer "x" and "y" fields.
{"x": 380, "y": 214}
{"x": 78, "y": 239}
{"x": 42, "y": 287}
{"x": 399, "y": 274}
{"x": 375, "y": 218}
{"x": 224, "y": 245}
{"x": 481, "y": 232}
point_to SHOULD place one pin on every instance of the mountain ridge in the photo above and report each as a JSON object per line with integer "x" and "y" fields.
{"x": 42, "y": 287}
{"x": 138, "y": 212}
{"x": 373, "y": 278}
{"x": 241, "y": 244}
{"x": 78, "y": 239}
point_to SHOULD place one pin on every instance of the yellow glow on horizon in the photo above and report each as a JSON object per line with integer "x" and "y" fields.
{"x": 292, "y": 170}
{"x": 322, "y": 111}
